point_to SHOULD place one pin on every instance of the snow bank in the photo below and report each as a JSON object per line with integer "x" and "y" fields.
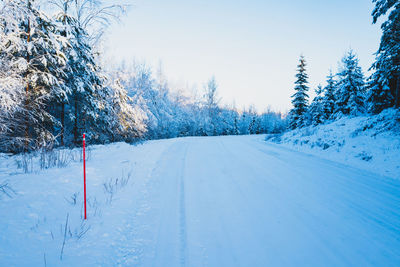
{"x": 41, "y": 210}
{"x": 367, "y": 142}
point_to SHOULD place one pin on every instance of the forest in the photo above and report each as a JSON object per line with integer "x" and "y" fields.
{"x": 54, "y": 88}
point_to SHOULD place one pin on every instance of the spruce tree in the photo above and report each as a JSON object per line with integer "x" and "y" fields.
{"x": 350, "y": 91}
{"x": 31, "y": 43}
{"x": 384, "y": 86}
{"x": 379, "y": 94}
{"x": 300, "y": 97}
{"x": 329, "y": 97}
{"x": 316, "y": 109}
{"x": 12, "y": 98}
{"x": 84, "y": 107}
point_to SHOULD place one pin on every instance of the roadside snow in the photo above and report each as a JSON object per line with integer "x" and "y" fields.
{"x": 33, "y": 219}
{"x": 370, "y": 142}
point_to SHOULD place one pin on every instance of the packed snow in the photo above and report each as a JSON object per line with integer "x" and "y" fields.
{"x": 197, "y": 201}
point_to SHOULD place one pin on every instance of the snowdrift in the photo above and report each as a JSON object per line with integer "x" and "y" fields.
{"x": 367, "y": 142}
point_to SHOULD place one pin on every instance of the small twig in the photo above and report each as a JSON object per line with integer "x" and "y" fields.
{"x": 65, "y": 236}
{"x": 7, "y": 190}
{"x": 79, "y": 236}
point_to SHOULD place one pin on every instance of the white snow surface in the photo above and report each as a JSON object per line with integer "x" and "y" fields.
{"x": 367, "y": 142}
{"x": 201, "y": 201}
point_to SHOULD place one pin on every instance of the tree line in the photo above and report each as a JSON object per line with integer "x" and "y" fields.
{"x": 53, "y": 88}
{"x": 348, "y": 92}
{"x": 168, "y": 112}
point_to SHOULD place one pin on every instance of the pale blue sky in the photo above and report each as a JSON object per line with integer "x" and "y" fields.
{"x": 252, "y": 47}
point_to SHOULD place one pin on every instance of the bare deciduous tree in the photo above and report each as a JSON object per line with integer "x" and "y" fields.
{"x": 95, "y": 16}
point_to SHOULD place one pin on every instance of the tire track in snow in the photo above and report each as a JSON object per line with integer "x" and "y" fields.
{"x": 182, "y": 212}
{"x": 170, "y": 211}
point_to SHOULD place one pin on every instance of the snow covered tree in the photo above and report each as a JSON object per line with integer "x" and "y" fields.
{"x": 244, "y": 122}
{"x": 350, "y": 90}
{"x": 272, "y": 122}
{"x": 94, "y": 16}
{"x": 300, "y": 98}
{"x": 211, "y": 104}
{"x": 168, "y": 110}
{"x": 328, "y": 101}
{"x": 34, "y": 49}
{"x": 170, "y": 113}
{"x": 12, "y": 98}
{"x": 255, "y": 123}
{"x": 87, "y": 106}
{"x": 379, "y": 94}
{"x": 384, "y": 85}
{"x": 228, "y": 121}
{"x": 128, "y": 120}
{"x": 316, "y": 108}
{"x": 157, "y": 104}
{"x": 85, "y": 109}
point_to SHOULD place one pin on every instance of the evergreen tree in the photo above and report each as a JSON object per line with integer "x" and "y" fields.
{"x": 229, "y": 119}
{"x": 300, "y": 97}
{"x": 379, "y": 94}
{"x": 329, "y": 97}
{"x": 85, "y": 108}
{"x": 350, "y": 89}
{"x": 244, "y": 122}
{"x": 11, "y": 103}
{"x": 384, "y": 86}
{"x": 254, "y": 122}
{"x": 316, "y": 108}
{"x": 34, "y": 49}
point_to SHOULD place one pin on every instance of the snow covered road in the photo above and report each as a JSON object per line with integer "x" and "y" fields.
{"x": 239, "y": 201}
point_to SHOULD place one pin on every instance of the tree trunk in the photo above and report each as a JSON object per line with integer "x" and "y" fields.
{"x": 63, "y": 104}
{"x": 76, "y": 120}
{"x": 397, "y": 92}
{"x": 62, "y": 123}
{"x": 27, "y": 93}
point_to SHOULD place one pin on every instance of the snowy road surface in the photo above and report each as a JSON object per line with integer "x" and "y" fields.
{"x": 239, "y": 201}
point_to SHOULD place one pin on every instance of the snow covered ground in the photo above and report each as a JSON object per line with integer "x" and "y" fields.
{"x": 200, "y": 201}
{"x": 367, "y": 142}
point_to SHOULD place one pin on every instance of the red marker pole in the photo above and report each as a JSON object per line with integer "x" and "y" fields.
{"x": 84, "y": 174}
